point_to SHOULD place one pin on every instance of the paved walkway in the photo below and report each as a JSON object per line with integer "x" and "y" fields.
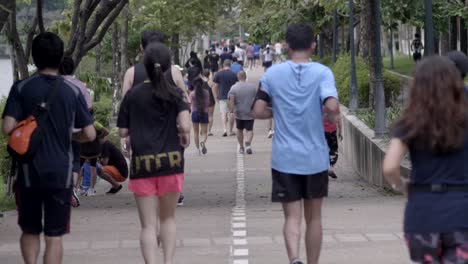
{"x": 228, "y": 216}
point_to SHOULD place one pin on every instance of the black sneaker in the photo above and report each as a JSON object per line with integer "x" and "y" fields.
{"x": 248, "y": 150}
{"x": 181, "y": 200}
{"x": 332, "y": 175}
{"x": 114, "y": 190}
{"x": 297, "y": 262}
{"x": 225, "y": 134}
{"x": 203, "y": 150}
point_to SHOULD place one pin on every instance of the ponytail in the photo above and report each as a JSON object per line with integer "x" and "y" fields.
{"x": 161, "y": 88}
{"x": 199, "y": 96}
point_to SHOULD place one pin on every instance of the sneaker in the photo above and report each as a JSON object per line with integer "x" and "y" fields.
{"x": 332, "y": 175}
{"x": 198, "y": 152}
{"x": 241, "y": 151}
{"x": 210, "y": 134}
{"x": 90, "y": 192}
{"x": 83, "y": 191}
{"x": 297, "y": 262}
{"x": 114, "y": 190}
{"x": 248, "y": 150}
{"x": 75, "y": 201}
{"x": 204, "y": 150}
{"x": 232, "y": 134}
{"x": 271, "y": 133}
{"x": 181, "y": 200}
{"x": 225, "y": 134}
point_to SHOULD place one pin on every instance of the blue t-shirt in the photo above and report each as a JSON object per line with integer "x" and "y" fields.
{"x": 236, "y": 68}
{"x": 225, "y": 80}
{"x": 256, "y": 49}
{"x": 297, "y": 92}
{"x": 428, "y": 212}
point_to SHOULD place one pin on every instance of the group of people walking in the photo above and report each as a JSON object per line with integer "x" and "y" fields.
{"x": 154, "y": 122}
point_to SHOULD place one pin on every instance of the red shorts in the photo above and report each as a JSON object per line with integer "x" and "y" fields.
{"x": 158, "y": 186}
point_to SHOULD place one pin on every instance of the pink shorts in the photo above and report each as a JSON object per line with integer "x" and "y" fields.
{"x": 159, "y": 186}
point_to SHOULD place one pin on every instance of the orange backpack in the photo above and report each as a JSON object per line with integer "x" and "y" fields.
{"x": 26, "y": 137}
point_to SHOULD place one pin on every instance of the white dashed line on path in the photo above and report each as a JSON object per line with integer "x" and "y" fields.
{"x": 239, "y": 246}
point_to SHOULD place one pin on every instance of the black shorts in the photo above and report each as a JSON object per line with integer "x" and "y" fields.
{"x": 92, "y": 162}
{"x": 292, "y": 187}
{"x": 76, "y": 147}
{"x": 203, "y": 119}
{"x": 267, "y": 64}
{"x": 245, "y": 124}
{"x": 52, "y": 205}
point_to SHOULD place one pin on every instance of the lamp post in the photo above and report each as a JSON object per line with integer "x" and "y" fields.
{"x": 380, "y": 119}
{"x": 353, "y": 93}
{"x": 335, "y": 35}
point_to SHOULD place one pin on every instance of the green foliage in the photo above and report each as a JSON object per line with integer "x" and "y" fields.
{"x": 342, "y": 72}
{"x": 403, "y": 64}
{"x": 368, "y": 116}
{"x": 5, "y": 163}
{"x": 326, "y": 60}
{"x": 100, "y": 86}
{"x": 114, "y": 137}
{"x": 103, "y": 110}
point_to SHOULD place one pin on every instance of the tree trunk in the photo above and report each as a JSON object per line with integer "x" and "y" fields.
{"x": 343, "y": 37}
{"x": 335, "y": 36}
{"x": 385, "y": 42}
{"x": 463, "y": 36}
{"x": 15, "y": 42}
{"x": 6, "y": 11}
{"x": 366, "y": 34}
{"x": 124, "y": 43}
{"x": 98, "y": 59}
{"x": 175, "y": 48}
{"x": 14, "y": 66}
{"x": 40, "y": 19}
{"x": 116, "y": 67}
{"x": 453, "y": 33}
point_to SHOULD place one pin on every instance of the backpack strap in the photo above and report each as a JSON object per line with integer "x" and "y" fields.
{"x": 44, "y": 108}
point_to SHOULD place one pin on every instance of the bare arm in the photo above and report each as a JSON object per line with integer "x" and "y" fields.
{"x": 215, "y": 91}
{"x": 123, "y": 132}
{"x": 333, "y": 110}
{"x": 183, "y": 122}
{"x": 8, "y": 125}
{"x": 261, "y": 110}
{"x": 88, "y": 134}
{"x": 128, "y": 80}
{"x": 178, "y": 79}
{"x": 392, "y": 163}
{"x": 231, "y": 103}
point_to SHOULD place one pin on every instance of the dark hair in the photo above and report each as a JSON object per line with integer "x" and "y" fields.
{"x": 417, "y": 35}
{"x": 234, "y": 59}
{"x": 157, "y": 61}
{"x": 67, "y": 67}
{"x": 238, "y": 45}
{"x": 299, "y": 37}
{"x": 197, "y": 85}
{"x": 47, "y": 51}
{"x": 193, "y": 54}
{"x": 460, "y": 60}
{"x": 207, "y": 51}
{"x": 225, "y": 49}
{"x": 436, "y": 114}
{"x": 206, "y": 73}
{"x": 151, "y": 36}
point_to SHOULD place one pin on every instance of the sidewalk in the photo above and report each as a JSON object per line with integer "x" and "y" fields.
{"x": 228, "y": 216}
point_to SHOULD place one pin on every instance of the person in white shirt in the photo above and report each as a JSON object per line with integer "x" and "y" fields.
{"x": 240, "y": 54}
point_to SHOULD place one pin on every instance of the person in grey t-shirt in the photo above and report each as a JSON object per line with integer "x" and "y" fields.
{"x": 241, "y": 98}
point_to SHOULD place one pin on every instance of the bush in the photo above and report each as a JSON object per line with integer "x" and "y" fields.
{"x": 326, "y": 60}
{"x": 100, "y": 86}
{"x": 341, "y": 69}
{"x": 103, "y": 110}
{"x": 5, "y": 165}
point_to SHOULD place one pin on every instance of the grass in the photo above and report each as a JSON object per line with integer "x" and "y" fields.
{"x": 403, "y": 64}
{"x": 5, "y": 202}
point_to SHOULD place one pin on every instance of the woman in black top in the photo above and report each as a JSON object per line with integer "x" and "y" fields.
{"x": 434, "y": 130}
{"x": 158, "y": 121}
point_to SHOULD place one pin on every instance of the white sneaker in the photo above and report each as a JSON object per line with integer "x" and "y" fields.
{"x": 91, "y": 192}
{"x": 271, "y": 133}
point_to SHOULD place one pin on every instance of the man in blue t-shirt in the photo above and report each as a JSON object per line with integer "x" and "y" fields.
{"x": 44, "y": 186}
{"x": 256, "y": 49}
{"x": 294, "y": 93}
{"x": 223, "y": 81}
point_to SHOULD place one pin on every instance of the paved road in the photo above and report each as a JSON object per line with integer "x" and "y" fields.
{"x": 228, "y": 216}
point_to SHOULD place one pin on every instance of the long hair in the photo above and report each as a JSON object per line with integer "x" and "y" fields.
{"x": 437, "y": 111}
{"x": 157, "y": 61}
{"x": 199, "y": 95}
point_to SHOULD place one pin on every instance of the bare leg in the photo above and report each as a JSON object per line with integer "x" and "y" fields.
{"x": 249, "y": 136}
{"x": 30, "y": 247}
{"x": 231, "y": 123}
{"x": 225, "y": 121}
{"x": 93, "y": 176}
{"x": 167, "y": 207}
{"x": 240, "y": 138}
{"x": 313, "y": 239}
{"x": 109, "y": 179}
{"x": 53, "y": 251}
{"x": 196, "y": 134}
{"x": 292, "y": 228}
{"x": 210, "y": 118}
{"x": 204, "y": 132}
{"x": 147, "y": 210}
